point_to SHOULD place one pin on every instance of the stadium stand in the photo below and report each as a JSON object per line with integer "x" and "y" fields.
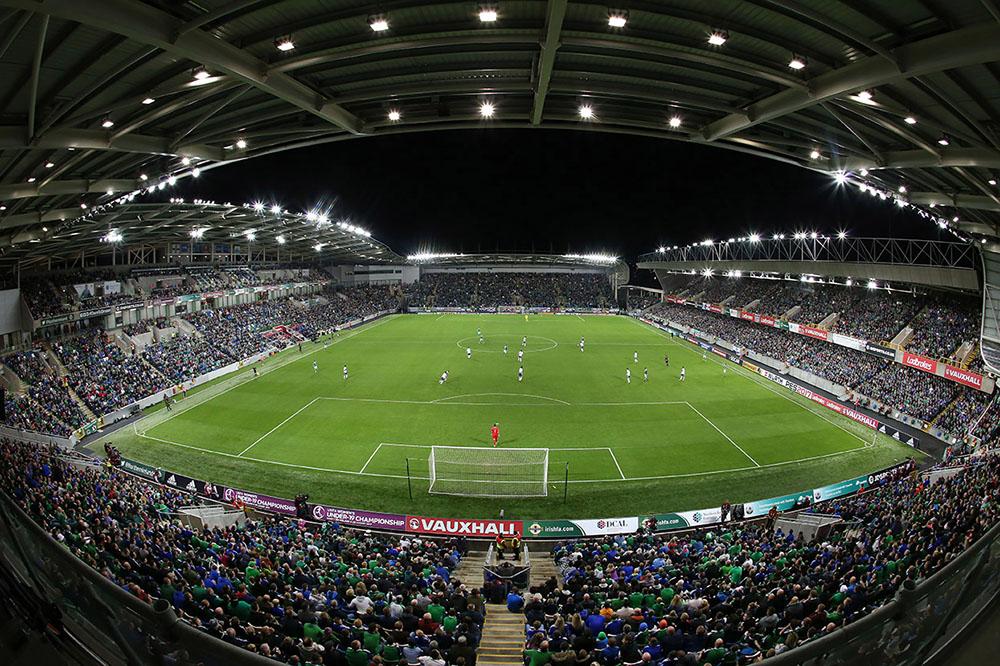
{"x": 737, "y": 593}
{"x": 490, "y": 290}
{"x": 886, "y": 385}
{"x": 291, "y": 591}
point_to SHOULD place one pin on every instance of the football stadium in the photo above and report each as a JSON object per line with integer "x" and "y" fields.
{"x": 506, "y": 333}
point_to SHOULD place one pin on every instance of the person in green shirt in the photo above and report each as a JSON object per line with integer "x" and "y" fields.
{"x": 356, "y": 656}
{"x": 372, "y": 641}
{"x": 539, "y": 657}
{"x": 437, "y": 611}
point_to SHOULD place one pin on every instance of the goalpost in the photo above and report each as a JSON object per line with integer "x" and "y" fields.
{"x": 488, "y": 472}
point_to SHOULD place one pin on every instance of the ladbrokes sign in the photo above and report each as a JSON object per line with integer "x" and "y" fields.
{"x": 919, "y": 362}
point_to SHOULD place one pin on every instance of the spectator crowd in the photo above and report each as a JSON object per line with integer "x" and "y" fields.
{"x": 488, "y": 290}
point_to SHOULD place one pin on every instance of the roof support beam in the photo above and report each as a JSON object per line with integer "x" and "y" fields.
{"x": 28, "y": 190}
{"x": 547, "y": 58}
{"x": 968, "y": 46}
{"x": 971, "y": 201}
{"x": 16, "y": 137}
{"x": 921, "y": 159}
{"x": 36, "y": 67}
{"x": 152, "y": 26}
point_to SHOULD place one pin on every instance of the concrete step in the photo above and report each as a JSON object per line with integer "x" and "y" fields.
{"x": 502, "y": 640}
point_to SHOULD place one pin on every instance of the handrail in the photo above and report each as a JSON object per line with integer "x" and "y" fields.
{"x": 159, "y": 615}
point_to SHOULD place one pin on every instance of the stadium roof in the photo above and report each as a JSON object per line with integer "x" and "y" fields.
{"x": 118, "y": 95}
{"x": 295, "y": 236}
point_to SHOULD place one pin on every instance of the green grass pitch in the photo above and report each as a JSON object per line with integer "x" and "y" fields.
{"x": 660, "y": 445}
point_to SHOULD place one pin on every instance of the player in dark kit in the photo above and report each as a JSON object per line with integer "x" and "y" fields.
{"x": 495, "y": 433}
{"x": 666, "y": 360}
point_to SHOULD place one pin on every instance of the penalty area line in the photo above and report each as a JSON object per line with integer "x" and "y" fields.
{"x": 615, "y": 458}
{"x": 268, "y": 433}
{"x": 728, "y": 438}
{"x": 370, "y": 458}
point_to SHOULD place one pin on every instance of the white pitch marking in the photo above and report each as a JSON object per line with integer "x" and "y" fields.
{"x": 730, "y": 439}
{"x": 615, "y": 458}
{"x": 755, "y": 379}
{"x": 370, "y": 458}
{"x": 516, "y": 395}
{"x": 266, "y": 434}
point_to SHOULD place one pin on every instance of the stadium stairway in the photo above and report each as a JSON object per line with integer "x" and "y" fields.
{"x": 543, "y": 567}
{"x": 503, "y": 638}
{"x": 470, "y": 568}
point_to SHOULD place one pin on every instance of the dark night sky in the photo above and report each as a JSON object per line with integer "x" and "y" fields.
{"x": 551, "y": 190}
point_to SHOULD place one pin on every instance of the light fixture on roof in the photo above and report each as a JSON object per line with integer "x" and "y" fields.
{"x": 284, "y": 44}
{"x": 318, "y": 247}
{"x": 675, "y": 121}
{"x": 49, "y": 165}
{"x": 814, "y": 154}
{"x": 661, "y": 249}
{"x": 197, "y": 232}
{"x": 865, "y": 95}
{"x": 162, "y": 185}
{"x": 992, "y": 181}
{"x": 902, "y": 189}
{"x": 754, "y": 238}
{"x": 617, "y": 18}
{"x": 31, "y": 179}
{"x": 322, "y": 220}
{"x": 841, "y": 235}
{"x": 3, "y": 208}
{"x": 910, "y": 120}
{"x": 258, "y": 206}
{"x": 488, "y": 13}
{"x": 195, "y": 172}
{"x": 241, "y": 143}
{"x": 113, "y": 236}
{"x": 185, "y": 160}
{"x": 110, "y": 192}
{"x": 864, "y": 172}
{"x": 586, "y": 111}
{"x": 148, "y": 101}
{"x": 171, "y": 181}
{"x": 718, "y": 37}
{"x": 250, "y": 234}
{"x": 280, "y": 239}
{"x": 107, "y": 123}
{"x": 394, "y": 115}
{"x": 486, "y": 109}
{"x": 944, "y": 140}
{"x": 797, "y": 62}
{"x": 814, "y": 235}
{"x": 379, "y": 22}
{"x": 872, "y": 284}
{"x": 275, "y": 209}
{"x": 840, "y": 178}
{"x": 199, "y": 74}
{"x": 312, "y": 216}
{"x": 143, "y": 177}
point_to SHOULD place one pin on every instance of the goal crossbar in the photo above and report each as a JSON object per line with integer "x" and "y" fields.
{"x": 488, "y": 471}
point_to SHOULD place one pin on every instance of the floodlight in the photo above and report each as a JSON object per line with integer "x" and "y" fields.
{"x": 675, "y": 121}
{"x": 49, "y": 165}
{"x": 378, "y": 23}
{"x": 318, "y": 247}
{"x": 323, "y": 220}
{"x": 185, "y": 160}
{"x": 486, "y": 110}
{"x": 31, "y": 179}
{"x": 171, "y": 181}
{"x": 910, "y": 120}
{"x": 841, "y": 235}
{"x": 814, "y": 154}
{"x": 280, "y": 239}
{"x": 284, "y": 44}
{"x": 992, "y": 181}
{"x": 148, "y": 101}
{"x": 865, "y": 95}
{"x": 754, "y": 238}
{"x": 661, "y": 249}
{"x": 258, "y": 206}
{"x": 813, "y": 235}
{"x": 797, "y": 62}
{"x": 586, "y": 112}
{"x": 241, "y": 143}
{"x": 872, "y": 284}
{"x": 195, "y": 172}
{"x": 275, "y": 209}
{"x": 394, "y": 116}
{"x": 840, "y": 178}
{"x": 250, "y": 234}
{"x": 902, "y": 189}
{"x": 718, "y": 38}
{"x": 617, "y": 18}
{"x": 944, "y": 140}
{"x": 143, "y": 177}
{"x": 487, "y": 14}
{"x": 107, "y": 123}
{"x": 311, "y": 216}
{"x": 200, "y": 74}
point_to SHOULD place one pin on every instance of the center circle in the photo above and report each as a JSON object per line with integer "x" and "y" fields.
{"x": 473, "y": 342}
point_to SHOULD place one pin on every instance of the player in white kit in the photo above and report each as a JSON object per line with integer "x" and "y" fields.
{"x": 520, "y": 373}
{"x": 628, "y": 376}
{"x": 683, "y": 373}
{"x": 468, "y": 352}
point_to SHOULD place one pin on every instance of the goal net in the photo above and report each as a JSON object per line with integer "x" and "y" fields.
{"x": 489, "y": 472}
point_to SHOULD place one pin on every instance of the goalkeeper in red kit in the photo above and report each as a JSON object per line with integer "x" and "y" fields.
{"x": 495, "y": 433}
